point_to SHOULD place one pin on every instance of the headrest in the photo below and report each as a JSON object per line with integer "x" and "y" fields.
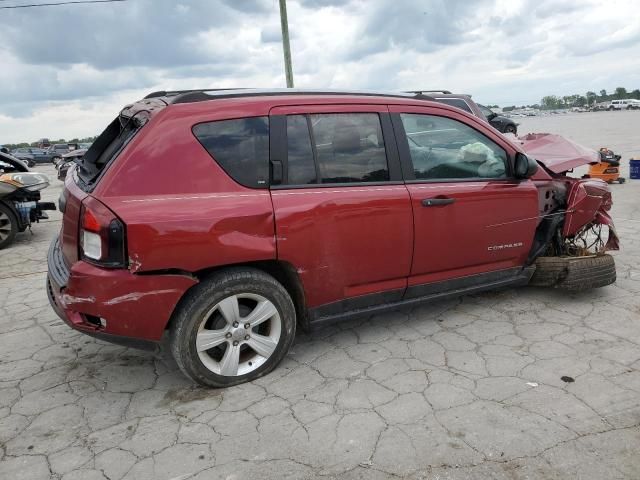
{"x": 346, "y": 137}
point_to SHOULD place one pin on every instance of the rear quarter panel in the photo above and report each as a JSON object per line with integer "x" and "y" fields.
{"x": 181, "y": 210}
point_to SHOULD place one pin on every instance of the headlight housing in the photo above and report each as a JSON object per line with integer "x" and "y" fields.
{"x": 32, "y": 181}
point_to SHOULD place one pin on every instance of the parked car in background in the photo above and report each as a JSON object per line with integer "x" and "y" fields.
{"x": 68, "y": 160}
{"x": 84, "y": 145}
{"x": 499, "y": 122}
{"x": 25, "y": 157}
{"x": 466, "y": 103}
{"x": 20, "y": 204}
{"x": 58, "y": 150}
{"x": 628, "y": 104}
{"x": 43, "y": 143}
{"x": 39, "y": 155}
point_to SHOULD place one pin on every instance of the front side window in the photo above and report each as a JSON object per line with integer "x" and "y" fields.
{"x": 240, "y": 147}
{"x": 445, "y": 149}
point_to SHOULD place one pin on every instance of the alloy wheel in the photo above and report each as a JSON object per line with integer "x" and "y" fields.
{"x": 5, "y": 226}
{"x": 238, "y": 334}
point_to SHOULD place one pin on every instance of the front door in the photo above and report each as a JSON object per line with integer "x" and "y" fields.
{"x": 472, "y": 217}
{"x": 343, "y": 215}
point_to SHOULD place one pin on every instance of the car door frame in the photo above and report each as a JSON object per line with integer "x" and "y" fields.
{"x": 474, "y": 281}
{"x": 278, "y": 158}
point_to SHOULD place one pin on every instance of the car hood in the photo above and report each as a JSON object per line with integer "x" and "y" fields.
{"x": 557, "y": 153}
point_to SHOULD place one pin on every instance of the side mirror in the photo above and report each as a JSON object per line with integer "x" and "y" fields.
{"x": 525, "y": 167}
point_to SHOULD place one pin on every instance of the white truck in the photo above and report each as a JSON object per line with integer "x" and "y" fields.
{"x": 627, "y": 104}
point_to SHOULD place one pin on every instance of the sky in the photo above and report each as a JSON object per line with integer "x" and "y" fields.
{"x": 66, "y": 71}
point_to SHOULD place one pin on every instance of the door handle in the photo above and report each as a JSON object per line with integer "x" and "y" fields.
{"x": 437, "y": 202}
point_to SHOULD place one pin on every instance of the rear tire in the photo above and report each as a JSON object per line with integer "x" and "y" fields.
{"x": 574, "y": 273}
{"x": 510, "y": 129}
{"x": 233, "y": 327}
{"x": 8, "y": 226}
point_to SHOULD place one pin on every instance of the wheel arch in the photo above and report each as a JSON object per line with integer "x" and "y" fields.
{"x": 283, "y": 272}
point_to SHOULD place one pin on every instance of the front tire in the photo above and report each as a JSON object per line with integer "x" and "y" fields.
{"x": 510, "y": 129}
{"x": 233, "y": 327}
{"x": 8, "y": 226}
{"x": 574, "y": 273}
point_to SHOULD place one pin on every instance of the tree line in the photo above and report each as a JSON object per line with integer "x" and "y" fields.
{"x": 554, "y": 102}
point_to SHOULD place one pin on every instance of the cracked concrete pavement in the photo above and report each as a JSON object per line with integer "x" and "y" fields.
{"x": 469, "y": 388}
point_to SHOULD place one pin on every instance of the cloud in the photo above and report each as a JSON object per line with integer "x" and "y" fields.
{"x": 68, "y": 70}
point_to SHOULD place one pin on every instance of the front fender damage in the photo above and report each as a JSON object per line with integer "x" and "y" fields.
{"x": 588, "y": 205}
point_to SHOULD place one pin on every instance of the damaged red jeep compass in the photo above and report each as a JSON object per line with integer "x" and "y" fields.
{"x": 228, "y": 218}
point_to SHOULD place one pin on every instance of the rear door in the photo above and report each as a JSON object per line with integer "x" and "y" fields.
{"x": 472, "y": 218}
{"x": 343, "y": 214}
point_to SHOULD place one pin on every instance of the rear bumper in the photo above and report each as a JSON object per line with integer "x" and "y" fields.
{"x": 113, "y": 304}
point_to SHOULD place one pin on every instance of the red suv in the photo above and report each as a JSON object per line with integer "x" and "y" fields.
{"x": 226, "y": 218}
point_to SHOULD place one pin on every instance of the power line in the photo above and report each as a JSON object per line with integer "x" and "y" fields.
{"x": 53, "y": 4}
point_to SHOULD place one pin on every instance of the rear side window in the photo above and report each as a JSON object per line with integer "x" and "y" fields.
{"x": 339, "y": 147}
{"x": 302, "y": 169}
{"x": 240, "y": 147}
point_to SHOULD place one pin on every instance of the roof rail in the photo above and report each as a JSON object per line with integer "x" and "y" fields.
{"x": 170, "y": 93}
{"x": 418, "y": 92}
{"x": 199, "y": 95}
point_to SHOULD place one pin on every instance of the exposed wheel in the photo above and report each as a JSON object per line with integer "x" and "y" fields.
{"x": 233, "y": 327}
{"x": 54, "y": 160}
{"x": 510, "y": 129}
{"x": 574, "y": 273}
{"x": 8, "y": 226}
{"x": 622, "y": 180}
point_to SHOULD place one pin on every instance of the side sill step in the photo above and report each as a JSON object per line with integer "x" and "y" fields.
{"x": 520, "y": 280}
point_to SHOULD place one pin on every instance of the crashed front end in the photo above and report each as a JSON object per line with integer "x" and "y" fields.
{"x": 575, "y": 229}
{"x": 588, "y": 205}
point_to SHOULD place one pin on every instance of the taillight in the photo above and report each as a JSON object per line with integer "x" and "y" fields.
{"x": 102, "y": 235}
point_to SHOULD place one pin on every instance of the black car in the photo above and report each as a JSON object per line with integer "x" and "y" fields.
{"x": 39, "y": 155}
{"x": 25, "y": 157}
{"x": 500, "y": 123}
{"x": 466, "y": 103}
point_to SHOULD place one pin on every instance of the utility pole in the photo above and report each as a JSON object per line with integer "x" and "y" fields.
{"x": 284, "y": 23}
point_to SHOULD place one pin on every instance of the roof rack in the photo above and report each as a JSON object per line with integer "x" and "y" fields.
{"x": 445, "y": 92}
{"x": 199, "y": 95}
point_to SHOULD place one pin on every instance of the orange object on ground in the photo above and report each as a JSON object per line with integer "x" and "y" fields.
{"x": 608, "y": 169}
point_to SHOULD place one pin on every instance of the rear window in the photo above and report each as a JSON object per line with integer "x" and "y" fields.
{"x": 107, "y": 146}
{"x": 456, "y": 102}
{"x": 240, "y": 147}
